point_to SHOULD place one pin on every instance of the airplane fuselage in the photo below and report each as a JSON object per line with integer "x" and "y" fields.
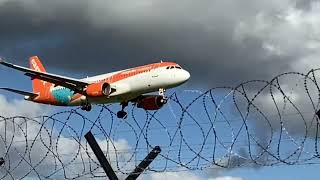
{"x": 128, "y": 84}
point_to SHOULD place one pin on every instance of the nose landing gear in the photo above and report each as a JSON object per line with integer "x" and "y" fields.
{"x": 162, "y": 93}
{"x": 122, "y": 114}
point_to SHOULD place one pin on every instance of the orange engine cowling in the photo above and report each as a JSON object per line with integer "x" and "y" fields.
{"x": 98, "y": 89}
{"x": 151, "y": 102}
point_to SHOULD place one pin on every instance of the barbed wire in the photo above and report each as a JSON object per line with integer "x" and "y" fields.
{"x": 257, "y": 123}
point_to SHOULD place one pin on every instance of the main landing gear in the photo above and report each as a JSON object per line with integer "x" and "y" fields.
{"x": 122, "y": 114}
{"x": 86, "y": 107}
{"x": 162, "y": 93}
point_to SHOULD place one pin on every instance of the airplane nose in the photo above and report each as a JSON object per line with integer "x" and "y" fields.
{"x": 186, "y": 75}
{"x": 183, "y": 76}
{"x": 180, "y": 76}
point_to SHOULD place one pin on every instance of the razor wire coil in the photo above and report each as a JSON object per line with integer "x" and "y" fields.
{"x": 256, "y": 123}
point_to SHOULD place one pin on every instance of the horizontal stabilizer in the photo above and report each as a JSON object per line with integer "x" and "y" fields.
{"x": 30, "y": 94}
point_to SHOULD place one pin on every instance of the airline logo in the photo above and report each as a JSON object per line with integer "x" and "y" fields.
{"x": 37, "y": 68}
{"x": 35, "y": 65}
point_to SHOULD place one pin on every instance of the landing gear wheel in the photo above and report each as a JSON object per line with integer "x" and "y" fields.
{"x": 89, "y": 107}
{"x": 86, "y": 107}
{"x": 122, "y": 115}
{"x": 164, "y": 100}
{"x": 162, "y": 91}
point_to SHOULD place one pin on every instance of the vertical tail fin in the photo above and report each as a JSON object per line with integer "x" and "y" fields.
{"x": 38, "y": 85}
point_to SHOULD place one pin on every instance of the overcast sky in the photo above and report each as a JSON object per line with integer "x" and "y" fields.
{"x": 229, "y": 41}
{"x": 220, "y": 42}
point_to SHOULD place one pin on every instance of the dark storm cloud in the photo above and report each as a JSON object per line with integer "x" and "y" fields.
{"x": 100, "y": 36}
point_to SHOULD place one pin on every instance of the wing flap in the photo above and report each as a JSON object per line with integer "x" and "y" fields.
{"x": 57, "y": 82}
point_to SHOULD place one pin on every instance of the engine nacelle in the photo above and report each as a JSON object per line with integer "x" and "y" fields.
{"x": 151, "y": 102}
{"x": 98, "y": 89}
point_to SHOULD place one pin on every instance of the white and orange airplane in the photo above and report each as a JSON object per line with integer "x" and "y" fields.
{"x": 129, "y": 85}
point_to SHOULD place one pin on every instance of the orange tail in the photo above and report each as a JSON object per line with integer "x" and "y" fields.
{"x": 39, "y": 86}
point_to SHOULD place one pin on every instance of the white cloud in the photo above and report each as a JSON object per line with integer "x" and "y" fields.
{"x": 227, "y": 178}
{"x": 175, "y": 176}
{"x": 185, "y": 175}
{"x": 17, "y": 107}
{"x": 285, "y": 32}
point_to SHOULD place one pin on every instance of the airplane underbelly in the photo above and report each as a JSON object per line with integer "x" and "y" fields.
{"x": 113, "y": 99}
{"x": 126, "y": 90}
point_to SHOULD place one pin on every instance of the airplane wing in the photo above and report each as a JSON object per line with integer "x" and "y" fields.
{"x": 71, "y": 83}
{"x": 30, "y": 94}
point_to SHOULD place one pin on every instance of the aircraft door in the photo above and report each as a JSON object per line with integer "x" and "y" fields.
{"x": 154, "y": 77}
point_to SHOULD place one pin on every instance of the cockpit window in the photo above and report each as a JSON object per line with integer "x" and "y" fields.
{"x": 173, "y": 67}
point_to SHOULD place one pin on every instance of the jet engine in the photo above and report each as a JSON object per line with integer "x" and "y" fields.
{"x": 98, "y": 89}
{"x": 151, "y": 102}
